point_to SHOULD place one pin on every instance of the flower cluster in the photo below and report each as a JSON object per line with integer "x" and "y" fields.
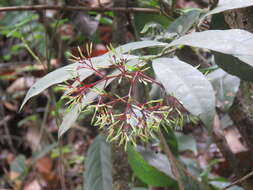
{"x": 125, "y": 118}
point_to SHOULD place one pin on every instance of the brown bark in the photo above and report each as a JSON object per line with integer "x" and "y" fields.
{"x": 119, "y": 24}
{"x": 240, "y": 18}
{"x": 221, "y": 142}
{"x": 242, "y": 111}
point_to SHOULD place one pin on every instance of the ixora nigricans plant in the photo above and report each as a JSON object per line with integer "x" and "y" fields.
{"x": 124, "y": 118}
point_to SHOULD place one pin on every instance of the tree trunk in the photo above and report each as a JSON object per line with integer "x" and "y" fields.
{"x": 242, "y": 110}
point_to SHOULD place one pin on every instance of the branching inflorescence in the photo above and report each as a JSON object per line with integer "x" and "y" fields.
{"x": 123, "y": 117}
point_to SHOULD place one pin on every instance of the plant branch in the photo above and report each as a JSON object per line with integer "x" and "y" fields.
{"x": 173, "y": 160}
{"x": 6, "y": 128}
{"x": 239, "y": 180}
{"x": 222, "y": 144}
{"x": 78, "y": 8}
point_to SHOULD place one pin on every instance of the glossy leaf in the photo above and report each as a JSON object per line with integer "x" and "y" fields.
{"x": 224, "y": 5}
{"x": 98, "y": 166}
{"x": 236, "y": 42}
{"x": 225, "y": 86}
{"x": 126, "y": 48}
{"x": 188, "y": 85}
{"x": 229, "y": 63}
{"x": 52, "y": 78}
{"x": 147, "y": 173}
{"x": 62, "y": 74}
{"x": 157, "y": 160}
{"x": 182, "y": 24}
{"x": 68, "y": 120}
{"x": 234, "y": 66}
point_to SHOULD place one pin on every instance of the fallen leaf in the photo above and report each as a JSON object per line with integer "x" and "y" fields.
{"x": 233, "y": 138}
{"x": 20, "y": 84}
{"x": 34, "y": 185}
{"x": 10, "y": 106}
{"x": 44, "y": 167}
{"x": 14, "y": 177}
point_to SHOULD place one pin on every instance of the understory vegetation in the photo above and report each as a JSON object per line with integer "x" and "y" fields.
{"x": 126, "y": 94}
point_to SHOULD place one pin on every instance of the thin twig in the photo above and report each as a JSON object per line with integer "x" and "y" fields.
{"x": 5, "y": 119}
{"x": 61, "y": 169}
{"x": 61, "y": 166}
{"x": 43, "y": 128}
{"x": 6, "y": 128}
{"x": 78, "y": 8}
{"x": 173, "y": 160}
{"x": 239, "y": 180}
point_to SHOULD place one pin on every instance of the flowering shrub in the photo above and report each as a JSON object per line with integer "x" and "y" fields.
{"x": 124, "y": 118}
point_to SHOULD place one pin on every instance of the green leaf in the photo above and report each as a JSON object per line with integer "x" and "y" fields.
{"x": 60, "y": 75}
{"x": 234, "y": 66}
{"x": 126, "y": 48}
{"x": 182, "y": 24}
{"x": 141, "y": 19}
{"x": 228, "y": 63}
{"x": 18, "y": 165}
{"x": 225, "y": 86}
{"x": 47, "y": 149}
{"x": 186, "y": 142}
{"x": 131, "y": 68}
{"x": 191, "y": 183}
{"x": 50, "y": 79}
{"x": 236, "y": 42}
{"x": 139, "y": 188}
{"x": 189, "y": 86}
{"x": 157, "y": 160}
{"x": 145, "y": 172}
{"x": 68, "y": 120}
{"x": 14, "y": 33}
{"x": 192, "y": 166}
{"x": 98, "y": 166}
{"x": 224, "y": 5}
{"x": 224, "y": 184}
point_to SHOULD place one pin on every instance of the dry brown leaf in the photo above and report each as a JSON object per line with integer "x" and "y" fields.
{"x": 33, "y": 137}
{"x": 34, "y": 185}
{"x": 233, "y": 138}
{"x": 45, "y": 168}
{"x": 44, "y": 165}
{"x": 21, "y": 84}
{"x": 97, "y": 3}
{"x": 10, "y": 106}
{"x": 13, "y": 176}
